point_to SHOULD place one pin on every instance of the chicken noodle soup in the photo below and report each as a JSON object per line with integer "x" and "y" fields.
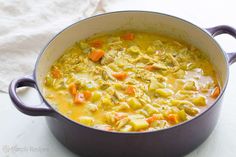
{"x": 131, "y": 81}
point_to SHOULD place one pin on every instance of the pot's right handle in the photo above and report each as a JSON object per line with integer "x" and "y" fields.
{"x": 223, "y": 29}
{"x": 39, "y": 110}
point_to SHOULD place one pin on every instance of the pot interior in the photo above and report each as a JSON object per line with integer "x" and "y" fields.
{"x": 133, "y": 20}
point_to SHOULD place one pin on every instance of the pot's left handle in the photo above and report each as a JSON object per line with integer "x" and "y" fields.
{"x": 39, "y": 110}
{"x": 224, "y": 29}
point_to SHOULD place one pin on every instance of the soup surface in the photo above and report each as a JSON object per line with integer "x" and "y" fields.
{"x": 131, "y": 81}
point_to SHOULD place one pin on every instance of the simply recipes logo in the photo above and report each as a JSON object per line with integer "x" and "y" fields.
{"x": 23, "y": 149}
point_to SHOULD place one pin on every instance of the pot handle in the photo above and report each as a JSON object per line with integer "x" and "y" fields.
{"x": 224, "y": 29}
{"x": 39, "y": 110}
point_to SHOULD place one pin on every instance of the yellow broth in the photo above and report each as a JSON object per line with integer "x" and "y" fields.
{"x": 131, "y": 81}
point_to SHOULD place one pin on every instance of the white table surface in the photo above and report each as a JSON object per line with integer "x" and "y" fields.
{"x": 22, "y": 135}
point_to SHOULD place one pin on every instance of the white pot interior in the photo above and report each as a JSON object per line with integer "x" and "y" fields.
{"x": 133, "y": 20}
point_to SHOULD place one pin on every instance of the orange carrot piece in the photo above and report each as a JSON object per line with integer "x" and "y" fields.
{"x": 120, "y": 76}
{"x": 172, "y": 118}
{"x": 96, "y": 43}
{"x": 79, "y": 98}
{"x": 56, "y": 73}
{"x": 142, "y": 130}
{"x": 216, "y": 92}
{"x": 73, "y": 89}
{"x": 87, "y": 94}
{"x": 151, "y": 119}
{"x": 95, "y": 55}
{"x": 149, "y": 67}
{"x": 130, "y": 90}
{"x": 128, "y": 36}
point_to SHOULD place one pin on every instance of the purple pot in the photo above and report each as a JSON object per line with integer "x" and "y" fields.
{"x": 86, "y": 141}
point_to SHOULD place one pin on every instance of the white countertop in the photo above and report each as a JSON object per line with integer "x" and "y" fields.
{"x": 22, "y": 135}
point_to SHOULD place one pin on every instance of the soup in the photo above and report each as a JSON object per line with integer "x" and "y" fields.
{"x": 131, "y": 81}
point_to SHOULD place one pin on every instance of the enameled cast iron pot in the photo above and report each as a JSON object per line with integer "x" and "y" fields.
{"x": 86, "y": 141}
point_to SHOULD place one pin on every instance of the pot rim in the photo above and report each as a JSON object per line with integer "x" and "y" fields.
{"x": 58, "y": 114}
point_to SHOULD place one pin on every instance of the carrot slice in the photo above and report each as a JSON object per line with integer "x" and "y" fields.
{"x": 56, "y": 73}
{"x": 130, "y": 90}
{"x": 73, "y": 89}
{"x": 120, "y": 76}
{"x": 149, "y": 67}
{"x": 96, "y": 43}
{"x": 142, "y": 130}
{"x": 151, "y": 119}
{"x": 128, "y": 36}
{"x": 87, "y": 94}
{"x": 216, "y": 92}
{"x": 79, "y": 98}
{"x": 95, "y": 55}
{"x": 172, "y": 118}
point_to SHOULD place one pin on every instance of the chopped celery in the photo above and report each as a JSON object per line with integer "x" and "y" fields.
{"x": 134, "y": 103}
{"x": 114, "y": 67}
{"x": 106, "y": 101}
{"x": 122, "y": 123}
{"x": 151, "y": 49}
{"x": 199, "y": 101}
{"x": 175, "y": 102}
{"x": 190, "y": 85}
{"x": 96, "y": 96}
{"x": 139, "y": 124}
{"x": 182, "y": 115}
{"x": 110, "y": 90}
{"x": 48, "y": 81}
{"x": 86, "y": 120}
{"x": 150, "y": 109}
{"x": 126, "y": 128}
{"x": 83, "y": 45}
{"x": 179, "y": 74}
{"x": 114, "y": 39}
{"x": 136, "y": 116}
{"x": 191, "y": 110}
{"x": 143, "y": 112}
{"x": 121, "y": 107}
{"x": 159, "y": 66}
{"x": 164, "y": 92}
{"x": 155, "y": 84}
{"x": 104, "y": 85}
{"x": 134, "y": 50}
{"x": 187, "y": 92}
{"x": 118, "y": 86}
